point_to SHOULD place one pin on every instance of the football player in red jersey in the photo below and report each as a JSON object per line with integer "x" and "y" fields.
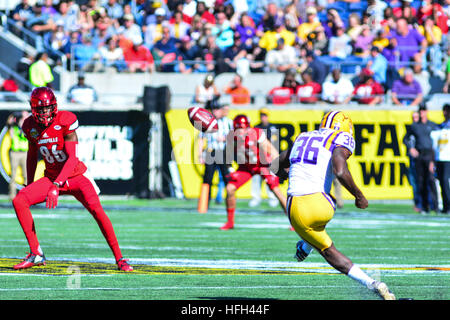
{"x": 52, "y": 133}
{"x": 253, "y": 152}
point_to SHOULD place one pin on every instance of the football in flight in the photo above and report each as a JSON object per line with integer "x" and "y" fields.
{"x": 202, "y": 119}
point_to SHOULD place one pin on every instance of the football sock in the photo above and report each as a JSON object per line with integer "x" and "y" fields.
{"x": 107, "y": 229}
{"x": 203, "y": 200}
{"x": 230, "y": 215}
{"x": 357, "y": 274}
{"x": 26, "y": 221}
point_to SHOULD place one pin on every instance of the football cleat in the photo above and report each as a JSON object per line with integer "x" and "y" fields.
{"x": 31, "y": 260}
{"x": 381, "y": 289}
{"x": 300, "y": 254}
{"x": 123, "y": 265}
{"x": 227, "y": 226}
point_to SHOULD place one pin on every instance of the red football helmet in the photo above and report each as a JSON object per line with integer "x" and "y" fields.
{"x": 43, "y": 105}
{"x": 241, "y": 121}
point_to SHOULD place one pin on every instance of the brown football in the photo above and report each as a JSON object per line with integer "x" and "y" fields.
{"x": 202, "y": 119}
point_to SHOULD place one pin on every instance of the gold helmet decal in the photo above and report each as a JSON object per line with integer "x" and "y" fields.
{"x": 337, "y": 120}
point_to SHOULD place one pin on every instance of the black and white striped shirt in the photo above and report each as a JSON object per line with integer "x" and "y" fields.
{"x": 217, "y": 140}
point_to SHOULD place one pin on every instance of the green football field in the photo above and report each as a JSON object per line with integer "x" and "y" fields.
{"x": 179, "y": 254}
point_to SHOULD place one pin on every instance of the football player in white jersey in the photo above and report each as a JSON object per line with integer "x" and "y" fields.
{"x": 314, "y": 159}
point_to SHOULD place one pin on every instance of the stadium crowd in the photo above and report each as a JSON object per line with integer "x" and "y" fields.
{"x": 384, "y": 43}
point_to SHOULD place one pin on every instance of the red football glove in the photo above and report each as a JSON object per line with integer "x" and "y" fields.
{"x": 52, "y": 197}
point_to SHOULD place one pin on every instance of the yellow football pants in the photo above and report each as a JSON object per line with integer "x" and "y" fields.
{"x": 309, "y": 216}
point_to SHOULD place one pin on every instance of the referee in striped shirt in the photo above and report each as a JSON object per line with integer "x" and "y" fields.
{"x": 211, "y": 151}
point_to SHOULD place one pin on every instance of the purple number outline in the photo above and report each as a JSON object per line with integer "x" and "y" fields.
{"x": 302, "y": 155}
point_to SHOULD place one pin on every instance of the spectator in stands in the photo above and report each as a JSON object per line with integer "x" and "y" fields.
{"x": 339, "y": 45}
{"x": 363, "y": 41}
{"x": 154, "y": 30}
{"x": 189, "y": 8}
{"x": 269, "y": 40}
{"x": 367, "y": 90}
{"x": 165, "y": 50}
{"x": 81, "y": 92}
{"x": 284, "y": 93}
{"x": 86, "y": 55}
{"x": 234, "y": 53}
{"x": 113, "y": 9}
{"x": 187, "y": 54}
{"x": 103, "y": 31}
{"x": 435, "y": 10}
{"x": 205, "y": 34}
{"x": 9, "y": 85}
{"x": 48, "y": 8}
{"x": 58, "y": 38}
{"x": 433, "y": 36}
{"x": 337, "y": 89}
{"x": 354, "y": 26}
{"x": 22, "y": 12}
{"x": 206, "y": 91}
{"x": 223, "y": 32}
{"x": 407, "y": 91}
{"x": 411, "y": 44}
{"x": 311, "y": 24}
{"x": 204, "y": 14}
{"x": 317, "y": 42}
{"x": 213, "y": 56}
{"x": 308, "y": 91}
{"x": 333, "y": 23}
{"x": 291, "y": 18}
{"x": 112, "y": 55}
{"x": 378, "y": 64}
{"x": 239, "y": 94}
{"x": 317, "y": 68}
{"x": 41, "y": 74}
{"x": 65, "y": 16}
{"x": 40, "y": 24}
{"x": 404, "y": 10}
{"x": 392, "y": 53}
{"x": 282, "y": 58}
{"x": 71, "y": 44}
{"x": 271, "y": 17}
{"x": 381, "y": 40}
{"x": 196, "y": 29}
{"x": 179, "y": 28}
{"x": 130, "y": 30}
{"x": 247, "y": 31}
{"x": 139, "y": 58}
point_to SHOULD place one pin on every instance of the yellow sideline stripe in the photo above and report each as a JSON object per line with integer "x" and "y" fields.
{"x": 62, "y": 268}
{"x": 95, "y": 268}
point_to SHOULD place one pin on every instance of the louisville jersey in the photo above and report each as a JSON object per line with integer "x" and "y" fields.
{"x": 367, "y": 92}
{"x": 311, "y": 169}
{"x": 247, "y": 146}
{"x": 50, "y": 142}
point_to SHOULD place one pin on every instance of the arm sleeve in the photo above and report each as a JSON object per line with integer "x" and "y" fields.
{"x": 31, "y": 162}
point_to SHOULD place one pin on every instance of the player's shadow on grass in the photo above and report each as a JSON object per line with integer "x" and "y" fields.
{"x": 233, "y": 298}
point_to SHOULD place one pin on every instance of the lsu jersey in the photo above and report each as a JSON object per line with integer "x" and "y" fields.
{"x": 247, "y": 146}
{"x": 311, "y": 169}
{"x": 50, "y": 142}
